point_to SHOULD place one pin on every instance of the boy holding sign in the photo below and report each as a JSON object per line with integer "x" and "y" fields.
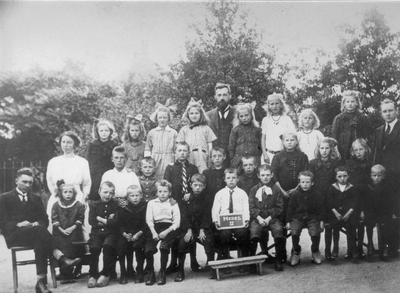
{"x": 230, "y": 215}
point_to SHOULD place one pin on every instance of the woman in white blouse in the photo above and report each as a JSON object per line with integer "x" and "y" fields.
{"x": 73, "y": 169}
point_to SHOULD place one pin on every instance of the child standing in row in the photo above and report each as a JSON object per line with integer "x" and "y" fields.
{"x": 147, "y": 178}
{"x": 133, "y": 144}
{"x": 245, "y": 137}
{"x": 197, "y": 134}
{"x": 67, "y": 217}
{"x": 308, "y": 135}
{"x": 98, "y": 154}
{"x": 274, "y": 125}
{"x": 215, "y": 175}
{"x": 248, "y": 178}
{"x": 161, "y": 140}
{"x": 163, "y": 219}
{"x": 350, "y": 124}
{"x": 359, "y": 167}
{"x": 323, "y": 167}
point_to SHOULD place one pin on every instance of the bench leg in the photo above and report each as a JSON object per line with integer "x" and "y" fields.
{"x": 260, "y": 269}
{"x": 217, "y": 274}
{"x": 15, "y": 272}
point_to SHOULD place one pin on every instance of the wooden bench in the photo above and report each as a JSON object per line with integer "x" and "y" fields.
{"x": 234, "y": 262}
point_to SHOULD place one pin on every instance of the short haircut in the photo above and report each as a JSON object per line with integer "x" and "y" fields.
{"x": 378, "y": 168}
{"x": 198, "y": 178}
{"x": 230, "y": 171}
{"x": 134, "y": 188}
{"x": 265, "y": 167}
{"x": 73, "y": 136}
{"x": 363, "y": 143}
{"x": 119, "y": 149}
{"x": 107, "y": 183}
{"x": 217, "y": 149}
{"x": 222, "y": 86}
{"x": 164, "y": 183}
{"x": 181, "y": 143}
{"x": 353, "y": 94}
{"x": 147, "y": 160}
{"x": 341, "y": 169}
{"x": 307, "y": 174}
{"x": 247, "y": 157}
{"x": 388, "y": 101}
{"x": 24, "y": 171}
{"x": 312, "y": 113}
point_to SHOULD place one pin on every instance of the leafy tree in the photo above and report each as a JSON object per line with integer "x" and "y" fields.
{"x": 225, "y": 50}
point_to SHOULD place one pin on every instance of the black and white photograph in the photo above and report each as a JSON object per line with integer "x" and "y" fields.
{"x": 199, "y": 146}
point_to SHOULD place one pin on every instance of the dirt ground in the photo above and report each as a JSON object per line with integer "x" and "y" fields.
{"x": 339, "y": 276}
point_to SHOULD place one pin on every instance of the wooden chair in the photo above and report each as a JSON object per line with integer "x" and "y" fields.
{"x": 16, "y": 263}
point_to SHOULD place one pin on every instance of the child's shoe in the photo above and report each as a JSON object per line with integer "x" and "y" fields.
{"x": 151, "y": 278}
{"x": 335, "y": 252}
{"x": 123, "y": 279}
{"x": 295, "y": 258}
{"x": 162, "y": 280}
{"x": 102, "y": 281}
{"x": 180, "y": 276}
{"x": 316, "y": 258}
{"x": 278, "y": 266}
{"x": 92, "y": 282}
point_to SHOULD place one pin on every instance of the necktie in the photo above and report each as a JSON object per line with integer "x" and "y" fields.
{"x": 23, "y": 198}
{"x": 184, "y": 180}
{"x": 387, "y": 132}
{"x": 230, "y": 202}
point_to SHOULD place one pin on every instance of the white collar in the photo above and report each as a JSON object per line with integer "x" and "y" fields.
{"x": 391, "y": 124}
{"x": 64, "y": 206}
{"x": 21, "y": 193}
{"x": 167, "y": 128}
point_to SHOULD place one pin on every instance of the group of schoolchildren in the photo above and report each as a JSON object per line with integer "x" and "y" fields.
{"x": 173, "y": 187}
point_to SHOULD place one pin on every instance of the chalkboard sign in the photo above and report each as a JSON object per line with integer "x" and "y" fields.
{"x": 231, "y": 221}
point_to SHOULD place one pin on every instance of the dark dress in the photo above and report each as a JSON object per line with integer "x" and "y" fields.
{"x": 98, "y": 155}
{"x": 65, "y": 217}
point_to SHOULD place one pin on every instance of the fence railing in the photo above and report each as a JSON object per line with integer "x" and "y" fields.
{"x": 8, "y": 169}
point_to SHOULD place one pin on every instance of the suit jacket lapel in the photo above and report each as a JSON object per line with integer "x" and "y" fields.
{"x": 394, "y": 133}
{"x": 15, "y": 198}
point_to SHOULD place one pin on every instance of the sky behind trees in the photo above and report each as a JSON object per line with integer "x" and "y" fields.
{"x": 110, "y": 37}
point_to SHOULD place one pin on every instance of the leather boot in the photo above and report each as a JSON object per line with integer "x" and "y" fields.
{"x": 151, "y": 278}
{"x": 180, "y": 276}
{"x": 41, "y": 287}
{"x": 65, "y": 262}
{"x": 161, "y": 278}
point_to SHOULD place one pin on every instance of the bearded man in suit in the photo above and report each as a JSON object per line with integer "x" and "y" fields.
{"x": 220, "y": 118}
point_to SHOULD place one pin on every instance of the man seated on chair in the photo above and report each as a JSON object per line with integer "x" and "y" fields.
{"x": 23, "y": 222}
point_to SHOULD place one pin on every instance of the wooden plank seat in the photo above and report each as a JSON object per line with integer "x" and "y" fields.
{"x": 235, "y": 262}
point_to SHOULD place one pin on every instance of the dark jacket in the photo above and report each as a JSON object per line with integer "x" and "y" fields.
{"x": 214, "y": 181}
{"x": 305, "y": 205}
{"x": 324, "y": 174}
{"x": 359, "y": 172}
{"x": 173, "y": 174}
{"x": 13, "y": 211}
{"x": 103, "y": 210}
{"x": 247, "y": 182}
{"x": 342, "y": 201}
{"x": 130, "y": 219}
{"x": 346, "y": 128}
{"x": 196, "y": 213}
{"x": 269, "y": 205}
{"x": 98, "y": 154}
{"x": 287, "y": 166}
